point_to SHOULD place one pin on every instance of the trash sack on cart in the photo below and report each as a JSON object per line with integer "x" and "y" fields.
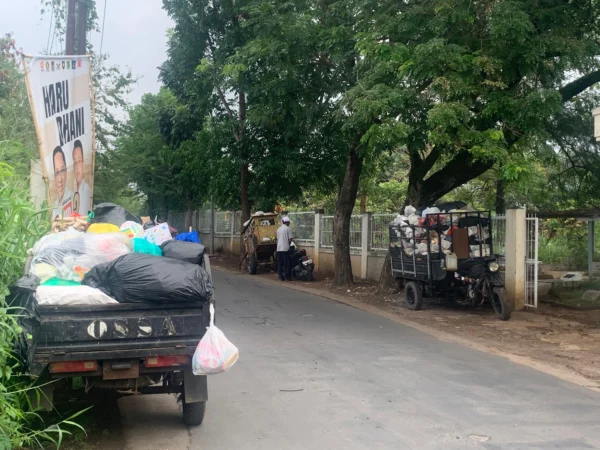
{"x": 191, "y": 236}
{"x": 141, "y": 245}
{"x": 215, "y": 353}
{"x": 139, "y": 277}
{"x": 68, "y": 255}
{"x": 183, "y": 251}
{"x": 115, "y": 214}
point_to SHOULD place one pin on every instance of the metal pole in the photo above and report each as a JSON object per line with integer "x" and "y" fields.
{"x": 212, "y": 225}
{"x": 591, "y": 246}
{"x": 70, "y": 39}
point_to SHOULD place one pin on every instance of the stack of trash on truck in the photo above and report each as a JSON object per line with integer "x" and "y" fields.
{"x": 110, "y": 257}
{"x": 428, "y": 231}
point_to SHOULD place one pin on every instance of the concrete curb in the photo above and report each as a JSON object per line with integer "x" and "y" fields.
{"x": 562, "y": 373}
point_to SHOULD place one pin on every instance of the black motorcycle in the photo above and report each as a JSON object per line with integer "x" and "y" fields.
{"x": 302, "y": 265}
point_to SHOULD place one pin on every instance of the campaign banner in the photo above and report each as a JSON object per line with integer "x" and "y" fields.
{"x": 60, "y": 93}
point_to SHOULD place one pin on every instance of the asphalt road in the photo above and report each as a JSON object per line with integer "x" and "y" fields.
{"x": 315, "y": 374}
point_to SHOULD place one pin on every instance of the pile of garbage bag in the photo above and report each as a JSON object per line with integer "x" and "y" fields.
{"x": 138, "y": 278}
{"x": 414, "y": 232}
{"x": 110, "y": 257}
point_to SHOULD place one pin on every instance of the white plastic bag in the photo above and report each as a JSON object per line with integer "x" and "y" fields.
{"x": 72, "y": 295}
{"x": 69, "y": 255}
{"x": 214, "y": 354}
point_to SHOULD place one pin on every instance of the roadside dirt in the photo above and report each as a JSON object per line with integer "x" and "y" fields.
{"x": 568, "y": 340}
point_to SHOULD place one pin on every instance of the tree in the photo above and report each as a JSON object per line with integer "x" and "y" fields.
{"x": 466, "y": 82}
{"x": 206, "y": 33}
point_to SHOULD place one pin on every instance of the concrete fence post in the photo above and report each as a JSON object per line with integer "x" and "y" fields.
{"x": 515, "y": 257}
{"x": 232, "y": 227}
{"x": 317, "y": 237}
{"x": 365, "y": 238}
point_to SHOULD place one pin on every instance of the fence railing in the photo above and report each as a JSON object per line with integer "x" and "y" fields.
{"x": 223, "y": 222}
{"x": 380, "y": 236}
{"x": 355, "y": 232}
{"x": 303, "y": 226}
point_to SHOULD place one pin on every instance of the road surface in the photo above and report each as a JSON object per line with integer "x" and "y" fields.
{"x": 315, "y": 374}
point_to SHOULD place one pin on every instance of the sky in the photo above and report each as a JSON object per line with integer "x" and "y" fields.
{"x": 134, "y": 35}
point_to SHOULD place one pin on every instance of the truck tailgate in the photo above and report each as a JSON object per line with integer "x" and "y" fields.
{"x": 68, "y": 333}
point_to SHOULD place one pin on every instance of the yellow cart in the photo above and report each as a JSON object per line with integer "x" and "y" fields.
{"x": 260, "y": 242}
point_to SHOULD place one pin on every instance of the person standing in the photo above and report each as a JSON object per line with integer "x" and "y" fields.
{"x": 284, "y": 239}
{"x": 81, "y": 187}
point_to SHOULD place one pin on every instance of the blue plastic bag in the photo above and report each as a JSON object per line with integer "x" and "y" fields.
{"x": 192, "y": 236}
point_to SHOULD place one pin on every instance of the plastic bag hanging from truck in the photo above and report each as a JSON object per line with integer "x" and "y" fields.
{"x": 215, "y": 353}
{"x": 138, "y": 277}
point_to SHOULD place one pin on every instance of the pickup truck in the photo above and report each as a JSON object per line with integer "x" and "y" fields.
{"x": 135, "y": 348}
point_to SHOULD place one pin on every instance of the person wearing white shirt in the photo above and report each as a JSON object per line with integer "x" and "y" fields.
{"x": 63, "y": 205}
{"x": 81, "y": 187}
{"x": 284, "y": 239}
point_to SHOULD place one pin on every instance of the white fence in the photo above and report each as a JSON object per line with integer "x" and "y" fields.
{"x": 355, "y": 232}
{"x": 316, "y": 230}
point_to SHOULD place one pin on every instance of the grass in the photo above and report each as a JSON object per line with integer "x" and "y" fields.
{"x": 573, "y": 297}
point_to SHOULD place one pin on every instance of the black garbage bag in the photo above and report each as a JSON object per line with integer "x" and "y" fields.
{"x": 111, "y": 213}
{"x": 23, "y": 305}
{"x": 183, "y": 251}
{"x": 140, "y": 277}
{"x": 149, "y": 224}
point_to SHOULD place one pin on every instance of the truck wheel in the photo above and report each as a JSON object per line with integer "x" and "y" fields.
{"x": 252, "y": 264}
{"x": 500, "y": 303}
{"x": 413, "y": 296}
{"x": 193, "y": 413}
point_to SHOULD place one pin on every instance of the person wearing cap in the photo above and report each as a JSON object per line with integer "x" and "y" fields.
{"x": 284, "y": 239}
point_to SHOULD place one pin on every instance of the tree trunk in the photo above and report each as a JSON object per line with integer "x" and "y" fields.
{"x": 341, "y": 221}
{"x": 363, "y": 203}
{"x": 500, "y": 206}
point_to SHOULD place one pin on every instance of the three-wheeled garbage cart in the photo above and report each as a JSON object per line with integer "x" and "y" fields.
{"x": 448, "y": 256}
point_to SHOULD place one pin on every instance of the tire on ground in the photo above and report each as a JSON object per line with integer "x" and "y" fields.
{"x": 193, "y": 413}
{"x": 413, "y": 296}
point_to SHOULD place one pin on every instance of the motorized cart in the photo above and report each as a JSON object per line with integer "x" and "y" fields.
{"x": 448, "y": 256}
{"x": 260, "y": 242}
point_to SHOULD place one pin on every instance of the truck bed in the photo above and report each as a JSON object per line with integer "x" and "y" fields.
{"x": 134, "y": 330}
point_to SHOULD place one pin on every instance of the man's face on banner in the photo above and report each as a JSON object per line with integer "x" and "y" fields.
{"x": 60, "y": 175}
{"x": 78, "y": 164}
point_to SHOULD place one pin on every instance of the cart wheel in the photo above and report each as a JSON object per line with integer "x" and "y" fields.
{"x": 252, "y": 264}
{"x": 193, "y": 413}
{"x": 500, "y": 303}
{"x": 413, "y": 296}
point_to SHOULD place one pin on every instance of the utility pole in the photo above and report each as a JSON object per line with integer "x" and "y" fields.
{"x": 70, "y": 41}
{"x": 76, "y": 27}
{"x": 82, "y": 15}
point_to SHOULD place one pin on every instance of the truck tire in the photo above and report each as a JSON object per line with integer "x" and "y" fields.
{"x": 500, "y": 303}
{"x": 193, "y": 413}
{"x": 413, "y": 296}
{"x": 252, "y": 264}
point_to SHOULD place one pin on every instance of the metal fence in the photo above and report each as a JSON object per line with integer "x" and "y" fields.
{"x": 303, "y": 226}
{"x": 327, "y": 232}
{"x": 531, "y": 261}
{"x": 499, "y": 235}
{"x": 355, "y": 232}
{"x": 223, "y": 221}
{"x": 204, "y": 220}
{"x": 380, "y": 237}
{"x": 177, "y": 220}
